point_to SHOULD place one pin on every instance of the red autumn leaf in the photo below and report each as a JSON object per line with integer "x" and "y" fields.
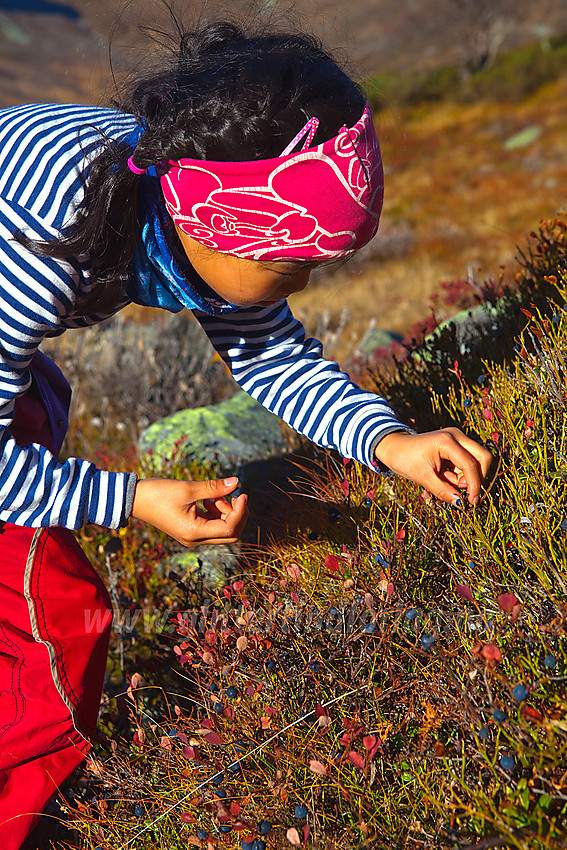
{"x": 227, "y": 592}
{"x": 464, "y": 591}
{"x": 356, "y": 759}
{"x": 333, "y": 563}
{"x": 188, "y": 752}
{"x": 528, "y": 712}
{"x": 306, "y": 831}
{"x": 370, "y": 495}
{"x": 210, "y": 637}
{"x": 207, "y": 723}
{"x": 317, "y": 767}
{"x": 293, "y": 571}
{"x": 320, "y": 711}
{"x": 345, "y": 487}
{"x": 491, "y": 653}
{"x": 295, "y": 598}
{"x": 401, "y": 535}
{"x": 213, "y": 738}
{"x": 293, "y": 837}
{"x": 235, "y": 809}
{"x": 187, "y": 817}
{"x": 487, "y": 414}
{"x": 238, "y": 586}
{"x": 208, "y": 658}
{"x": 507, "y": 601}
{"x": 135, "y": 681}
{"x": 372, "y": 744}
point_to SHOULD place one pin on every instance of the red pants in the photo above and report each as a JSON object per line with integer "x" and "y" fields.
{"x": 55, "y": 617}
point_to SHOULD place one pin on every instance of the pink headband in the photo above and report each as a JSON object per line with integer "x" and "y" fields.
{"x": 319, "y": 203}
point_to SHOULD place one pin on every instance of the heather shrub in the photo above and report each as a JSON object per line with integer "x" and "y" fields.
{"x": 390, "y": 672}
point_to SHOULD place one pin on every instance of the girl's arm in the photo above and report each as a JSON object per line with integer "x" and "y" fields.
{"x": 35, "y": 489}
{"x": 268, "y": 354}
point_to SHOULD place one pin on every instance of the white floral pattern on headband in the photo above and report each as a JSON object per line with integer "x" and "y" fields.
{"x": 319, "y": 203}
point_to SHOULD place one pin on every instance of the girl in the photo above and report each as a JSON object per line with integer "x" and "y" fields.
{"x": 218, "y": 186}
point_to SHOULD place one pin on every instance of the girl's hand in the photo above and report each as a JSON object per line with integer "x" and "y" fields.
{"x": 441, "y": 461}
{"x": 172, "y": 507}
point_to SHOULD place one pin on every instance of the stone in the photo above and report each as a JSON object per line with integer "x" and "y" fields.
{"x": 212, "y": 564}
{"x": 225, "y": 436}
{"x": 374, "y": 339}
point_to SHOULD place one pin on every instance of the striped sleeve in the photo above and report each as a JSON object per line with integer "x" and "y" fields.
{"x": 270, "y": 357}
{"x": 35, "y": 489}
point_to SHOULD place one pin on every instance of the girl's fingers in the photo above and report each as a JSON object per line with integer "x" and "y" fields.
{"x": 470, "y": 463}
{"x": 223, "y": 525}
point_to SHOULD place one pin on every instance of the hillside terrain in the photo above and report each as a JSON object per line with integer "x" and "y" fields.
{"x": 461, "y": 193}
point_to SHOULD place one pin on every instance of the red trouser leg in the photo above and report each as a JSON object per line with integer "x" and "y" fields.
{"x": 55, "y": 617}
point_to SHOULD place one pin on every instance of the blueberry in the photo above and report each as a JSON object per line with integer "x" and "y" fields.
{"x": 236, "y": 493}
{"x": 499, "y": 716}
{"x": 219, "y": 707}
{"x": 271, "y": 664}
{"x": 300, "y": 812}
{"x": 519, "y": 692}
{"x": 221, "y": 793}
{"x": 232, "y": 692}
{"x": 264, "y": 827}
{"x": 467, "y": 402}
{"x": 313, "y": 535}
{"x": 411, "y": 614}
{"x": 507, "y": 762}
{"x": 427, "y": 641}
{"x": 550, "y": 660}
{"x": 370, "y": 628}
{"x": 139, "y": 811}
{"x": 258, "y": 844}
{"x": 314, "y": 666}
{"x": 247, "y": 845}
{"x": 202, "y": 835}
{"x": 217, "y": 779}
{"x": 213, "y": 687}
{"x": 235, "y": 766}
{"x": 483, "y": 733}
{"x": 481, "y": 379}
{"x": 367, "y": 503}
{"x": 225, "y": 828}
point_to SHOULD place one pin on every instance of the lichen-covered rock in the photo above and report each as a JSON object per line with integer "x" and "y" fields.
{"x": 375, "y": 339}
{"x": 212, "y": 565}
{"x": 225, "y": 436}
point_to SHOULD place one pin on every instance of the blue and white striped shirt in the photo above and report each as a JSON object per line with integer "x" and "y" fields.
{"x": 43, "y": 153}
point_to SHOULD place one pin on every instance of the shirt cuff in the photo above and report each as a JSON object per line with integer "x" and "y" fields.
{"x": 377, "y": 465}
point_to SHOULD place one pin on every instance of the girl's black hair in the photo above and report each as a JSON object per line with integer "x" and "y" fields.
{"x": 224, "y": 95}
